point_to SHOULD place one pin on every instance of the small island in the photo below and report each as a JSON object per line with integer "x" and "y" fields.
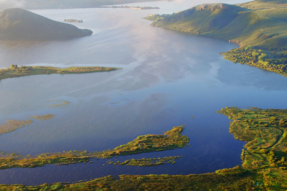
{"x": 15, "y": 71}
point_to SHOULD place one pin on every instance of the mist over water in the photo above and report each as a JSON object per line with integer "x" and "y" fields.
{"x": 167, "y": 77}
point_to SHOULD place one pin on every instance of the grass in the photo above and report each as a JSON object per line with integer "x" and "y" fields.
{"x": 146, "y": 143}
{"x": 15, "y": 71}
{"x": 261, "y": 25}
{"x": 147, "y": 162}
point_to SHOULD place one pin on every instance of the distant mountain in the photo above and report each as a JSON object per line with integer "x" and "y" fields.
{"x": 19, "y": 24}
{"x": 48, "y": 4}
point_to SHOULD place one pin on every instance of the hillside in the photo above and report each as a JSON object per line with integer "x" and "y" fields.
{"x": 260, "y": 27}
{"x": 19, "y": 24}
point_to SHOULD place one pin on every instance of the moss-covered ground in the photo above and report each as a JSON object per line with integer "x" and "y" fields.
{"x": 15, "y": 71}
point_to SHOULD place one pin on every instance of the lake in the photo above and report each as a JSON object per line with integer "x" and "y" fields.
{"x": 167, "y": 78}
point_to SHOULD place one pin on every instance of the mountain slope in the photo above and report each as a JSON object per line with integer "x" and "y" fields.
{"x": 262, "y": 28}
{"x": 19, "y": 24}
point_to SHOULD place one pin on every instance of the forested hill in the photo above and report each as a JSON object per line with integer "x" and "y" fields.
{"x": 48, "y": 4}
{"x": 19, "y": 24}
{"x": 257, "y": 23}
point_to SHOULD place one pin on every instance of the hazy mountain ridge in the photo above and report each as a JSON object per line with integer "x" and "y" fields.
{"x": 47, "y": 4}
{"x": 19, "y": 24}
{"x": 259, "y": 24}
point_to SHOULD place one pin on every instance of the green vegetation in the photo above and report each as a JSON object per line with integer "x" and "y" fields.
{"x": 15, "y": 71}
{"x": 265, "y": 132}
{"x": 147, "y": 162}
{"x": 210, "y": 181}
{"x": 64, "y": 103}
{"x": 43, "y": 117}
{"x": 259, "y": 27}
{"x": 12, "y": 125}
{"x": 274, "y": 60}
{"x": 22, "y": 25}
{"x": 146, "y": 143}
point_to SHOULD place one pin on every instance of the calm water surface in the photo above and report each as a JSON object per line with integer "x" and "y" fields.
{"x": 167, "y": 77}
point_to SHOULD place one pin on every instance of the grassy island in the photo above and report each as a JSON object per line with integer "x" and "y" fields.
{"x": 146, "y": 162}
{"x": 146, "y": 143}
{"x": 264, "y": 165}
{"x": 15, "y": 71}
{"x": 259, "y": 27}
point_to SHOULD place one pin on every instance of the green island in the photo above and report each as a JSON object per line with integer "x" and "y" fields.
{"x": 15, "y": 71}
{"x": 146, "y": 143}
{"x": 259, "y": 27}
{"x": 64, "y": 103}
{"x": 147, "y": 162}
{"x": 43, "y": 117}
{"x": 264, "y": 165}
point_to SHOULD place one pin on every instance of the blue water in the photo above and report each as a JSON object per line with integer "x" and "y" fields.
{"x": 167, "y": 77}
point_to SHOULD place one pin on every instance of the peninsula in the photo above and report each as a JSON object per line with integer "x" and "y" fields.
{"x": 15, "y": 71}
{"x": 259, "y": 27}
{"x": 146, "y": 143}
{"x": 21, "y": 25}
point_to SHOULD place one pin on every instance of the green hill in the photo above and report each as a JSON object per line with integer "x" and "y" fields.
{"x": 19, "y": 24}
{"x": 260, "y": 25}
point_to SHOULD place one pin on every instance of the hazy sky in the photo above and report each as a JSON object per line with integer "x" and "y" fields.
{"x": 4, "y": 4}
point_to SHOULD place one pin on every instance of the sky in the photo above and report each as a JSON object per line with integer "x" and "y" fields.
{"x": 5, "y": 4}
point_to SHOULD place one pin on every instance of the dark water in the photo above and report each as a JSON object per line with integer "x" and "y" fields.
{"x": 167, "y": 77}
